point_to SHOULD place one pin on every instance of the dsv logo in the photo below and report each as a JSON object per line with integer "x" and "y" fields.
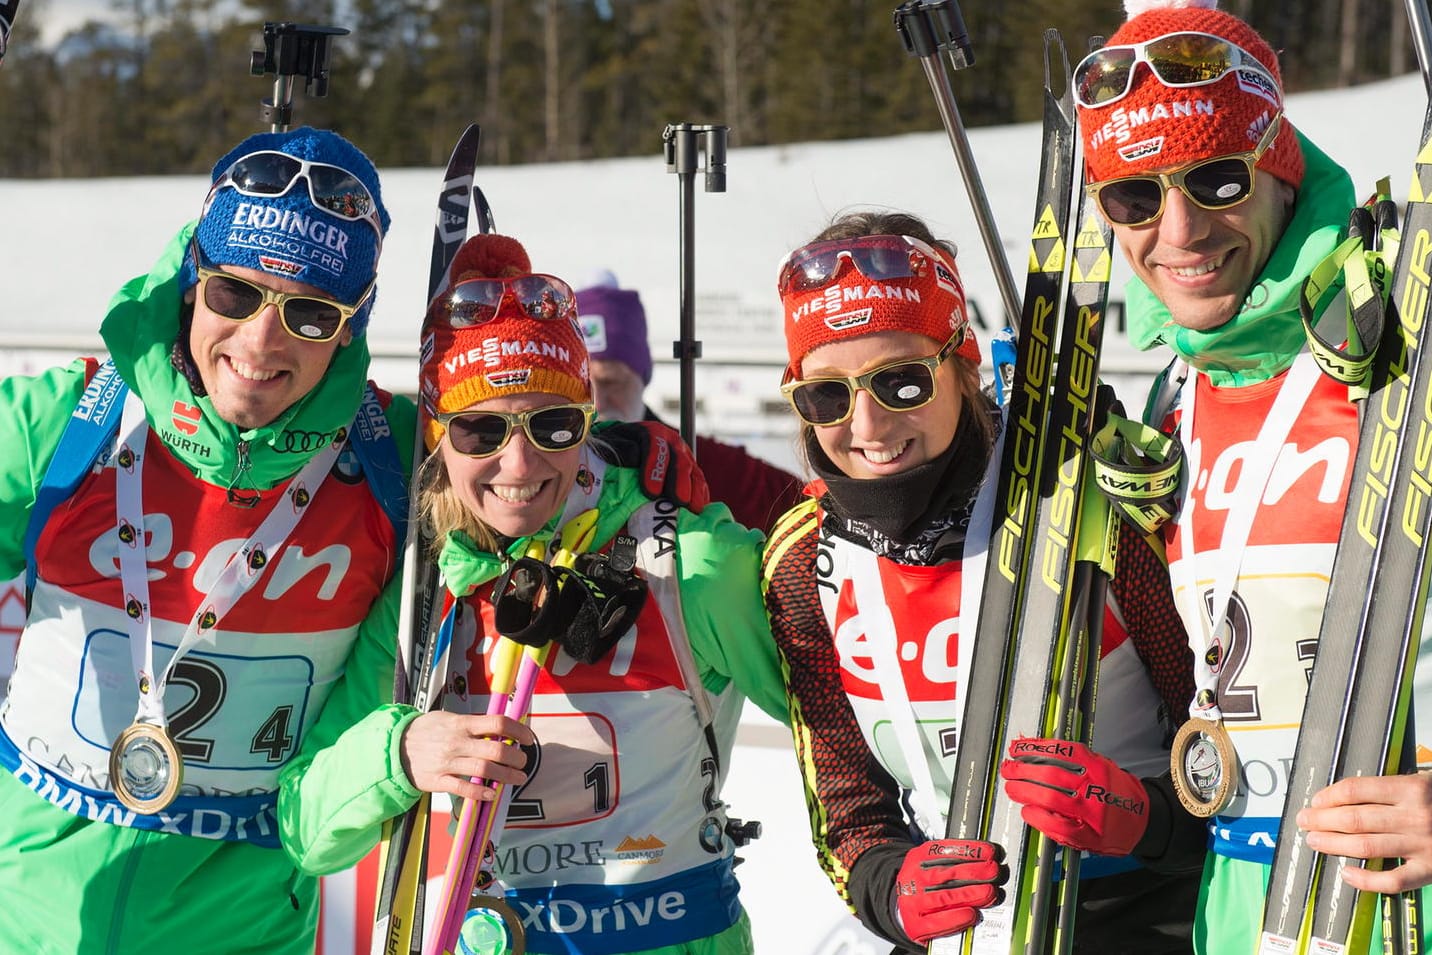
{"x": 301, "y": 442}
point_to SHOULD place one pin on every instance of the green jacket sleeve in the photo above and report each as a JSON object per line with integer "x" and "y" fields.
{"x": 348, "y": 776}
{"x": 33, "y": 414}
{"x": 719, "y": 569}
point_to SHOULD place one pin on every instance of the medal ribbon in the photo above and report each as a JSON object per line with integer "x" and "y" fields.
{"x": 239, "y": 574}
{"x": 1253, "y": 479}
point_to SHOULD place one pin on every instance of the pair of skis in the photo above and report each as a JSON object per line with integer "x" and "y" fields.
{"x": 1367, "y": 646}
{"x": 1037, "y": 639}
{"x": 423, "y": 642}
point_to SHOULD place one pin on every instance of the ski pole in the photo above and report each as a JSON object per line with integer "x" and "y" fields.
{"x": 8, "y": 9}
{"x": 292, "y": 50}
{"x": 479, "y": 826}
{"x": 1420, "y": 20}
{"x": 681, "y": 144}
{"x": 928, "y": 27}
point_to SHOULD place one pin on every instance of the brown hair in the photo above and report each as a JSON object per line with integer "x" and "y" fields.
{"x": 967, "y": 373}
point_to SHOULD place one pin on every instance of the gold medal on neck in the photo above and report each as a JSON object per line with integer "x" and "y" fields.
{"x": 1205, "y": 765}
{"x": 145, "y": 768}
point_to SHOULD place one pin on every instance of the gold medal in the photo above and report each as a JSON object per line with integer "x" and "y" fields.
{"x": 1204, "y": 766}
{"x": 145, "y": 768}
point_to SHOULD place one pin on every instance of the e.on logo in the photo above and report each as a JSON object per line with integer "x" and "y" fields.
{"x": 927, "y": 661}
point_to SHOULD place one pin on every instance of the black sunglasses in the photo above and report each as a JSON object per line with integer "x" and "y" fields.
{"x": 481, "y": 434}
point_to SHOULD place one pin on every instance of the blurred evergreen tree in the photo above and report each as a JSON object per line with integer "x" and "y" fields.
{"x": 166, "y": 87}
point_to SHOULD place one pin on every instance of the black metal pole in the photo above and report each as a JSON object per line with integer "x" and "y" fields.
{"x": 683, "y": 147}
{"x": 927, "y": 28}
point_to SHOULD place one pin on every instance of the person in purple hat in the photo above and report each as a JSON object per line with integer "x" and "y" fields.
{"x": 614, "y": 325}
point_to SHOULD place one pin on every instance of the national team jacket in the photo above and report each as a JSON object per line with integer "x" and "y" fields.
{"x": 84, "y": 873}
{"x": 616, "y": 843}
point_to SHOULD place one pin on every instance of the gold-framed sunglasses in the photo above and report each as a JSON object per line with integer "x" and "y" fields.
{"x": 902, "y": 385}
{"x": 1214, "y": 184}
{"x": 481, "y": 434}
{"x": 309, "y": 318}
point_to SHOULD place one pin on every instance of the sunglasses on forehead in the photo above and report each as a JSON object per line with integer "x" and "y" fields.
{"x": 481, "y": 434}
{"x": 1214, "y": 184}
{"x": 902, "y": 385}
{"x": 1179, "y": 60}
{"x": 309, "y": 318}
{"x": 477, "y": 301}
{"x": 877, "y": 257}
{"x": 333, "y": 189}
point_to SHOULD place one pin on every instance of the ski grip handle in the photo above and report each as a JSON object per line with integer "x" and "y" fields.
{"x": 522, "y": 608}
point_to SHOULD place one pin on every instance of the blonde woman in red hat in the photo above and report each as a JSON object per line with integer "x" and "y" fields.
{"x": 617, "y": 840}
{"x": 884, "y": 375}
{"x": 1222, "y": 208}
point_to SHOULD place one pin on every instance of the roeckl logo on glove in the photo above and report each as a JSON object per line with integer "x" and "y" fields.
{"x": 962, "y": 850}
{"x": 657, "y": 475}
{"x": 1051, "y": 747}
{"x": 1109, "y": 798}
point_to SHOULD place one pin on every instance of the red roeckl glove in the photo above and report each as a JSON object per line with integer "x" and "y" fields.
{"x": 944, "y": 883}
{"x": 1075, "y": 796}
{"x": 667, "y": 466}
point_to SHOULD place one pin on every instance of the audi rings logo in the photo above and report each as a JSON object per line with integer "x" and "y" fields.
{"x": 301, "y": 442}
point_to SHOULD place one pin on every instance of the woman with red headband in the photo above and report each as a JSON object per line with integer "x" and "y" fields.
{"x": 616, "y": 838}
{"x": 884, "y": 375}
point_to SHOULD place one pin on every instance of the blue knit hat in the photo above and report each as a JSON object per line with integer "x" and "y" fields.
{"x": 288, "y": 235}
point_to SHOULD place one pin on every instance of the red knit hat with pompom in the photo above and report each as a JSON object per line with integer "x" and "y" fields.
{"x": 513, "y": 354}
{"x": 1157, "y": 127}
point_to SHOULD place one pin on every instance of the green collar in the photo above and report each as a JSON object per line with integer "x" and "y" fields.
{"x": 1266, "y": 335}
{"x": 140, "y": 329}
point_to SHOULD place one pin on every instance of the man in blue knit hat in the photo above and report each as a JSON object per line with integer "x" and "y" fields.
{"x": 210, "y": 521}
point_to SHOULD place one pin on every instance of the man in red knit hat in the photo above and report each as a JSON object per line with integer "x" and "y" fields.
{"x": 1222, "y": 208}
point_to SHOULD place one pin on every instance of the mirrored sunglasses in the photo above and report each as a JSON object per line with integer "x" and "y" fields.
{"x": 477, "y": 301}
{"x": 877, "y": 257}
{"x": 1179, "y": 60}
{"x": 333, "y": 189}
{"x": 1214, "y": 184}
{"x": 902, "y": 385}
{"x": 480, "y": 434}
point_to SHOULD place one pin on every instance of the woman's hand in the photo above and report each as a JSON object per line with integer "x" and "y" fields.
{"x": 1375, "y": 817}
{"x": 442, "y": 752}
